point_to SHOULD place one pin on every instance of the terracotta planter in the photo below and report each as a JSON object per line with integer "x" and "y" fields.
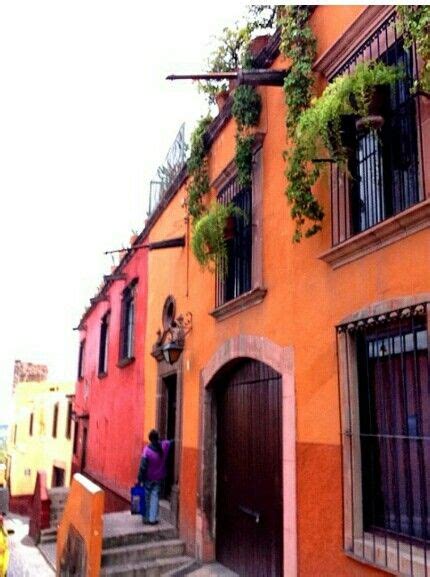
{"x": 373, "y": 122}
{"x": 221, "y": 99}
{"x": 378, "y": 104}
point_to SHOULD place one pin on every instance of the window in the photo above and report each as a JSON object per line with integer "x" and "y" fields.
{"x": 103, "y": 349}
{"x": 384, "y": 378}
{"x": 76, "y": 438}
{"x": 81, "y": 359}
{"x": 69, "y": 421}
{"x": 127, "y": 322}
{"x": 237, "y": 279}
{"x": 30, "y": 428}
{"x": 386, "y": 174}
{"x": 55, "y": 421}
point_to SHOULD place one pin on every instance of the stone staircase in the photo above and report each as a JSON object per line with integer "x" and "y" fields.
{"x": 131, "y": 549}
{"x": 58, "y": 498}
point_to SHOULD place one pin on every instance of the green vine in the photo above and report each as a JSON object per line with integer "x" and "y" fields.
{"x": 246, "y": 106}
{"x": 298, "y": 44}
{"x": 415, "y": 26}
{"x": 243, "y": 158}
{"x": 198, "y": 169}
{"x": 246, "y": 110}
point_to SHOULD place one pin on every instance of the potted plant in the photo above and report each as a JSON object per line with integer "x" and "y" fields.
{"x": 208, "y": 242}
{"x": 221, "y": 98}
{"x": 358, "y": 94}
{"x": 323, "y": 126}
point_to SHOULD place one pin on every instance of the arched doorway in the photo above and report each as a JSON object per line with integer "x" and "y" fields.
{"x": 225, "y": 360}
{"x": 249, "y": 499}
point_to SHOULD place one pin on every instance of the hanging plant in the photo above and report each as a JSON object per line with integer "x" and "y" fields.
{"x": 246, "y": 110}
{"x": 321, "y": 127}
{"x": 350, "y": 95}
{"x": 209, "y": 236}
{"x": 415, "y": 25}
{"x": 198, "y": 169}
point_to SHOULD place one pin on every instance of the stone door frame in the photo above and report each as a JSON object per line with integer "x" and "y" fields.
{"x": 281, "y": 359}
{"x": 166, "y": 370}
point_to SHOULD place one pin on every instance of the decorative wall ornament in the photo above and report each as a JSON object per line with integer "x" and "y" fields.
{"x": 170, "y": 340}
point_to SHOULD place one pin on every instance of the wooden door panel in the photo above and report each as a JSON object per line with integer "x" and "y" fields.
{"x": 249, "y": 471}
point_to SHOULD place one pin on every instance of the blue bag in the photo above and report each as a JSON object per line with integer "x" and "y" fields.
{"x": 137, "y": 500}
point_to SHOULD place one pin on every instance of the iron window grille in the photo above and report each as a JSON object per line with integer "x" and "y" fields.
{"x": 386, "y": 174}
{"x": 386, "y": 439}
{"x": 81, "y": 359}
{"x": 103, "y": 348}
{"x": 127, "y": 322}
{"x": 237, "y": 278}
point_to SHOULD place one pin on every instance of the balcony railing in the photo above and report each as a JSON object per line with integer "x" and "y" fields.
{"x": 168, "y": 170}
{"x": 386, "y": 169}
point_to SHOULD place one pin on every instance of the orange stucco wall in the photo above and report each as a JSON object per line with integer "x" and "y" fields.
{"x": 83, "y": 513}
{"x": 305, "y": 300}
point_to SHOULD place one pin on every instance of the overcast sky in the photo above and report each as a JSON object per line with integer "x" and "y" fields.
{"x": 85, "y": 118}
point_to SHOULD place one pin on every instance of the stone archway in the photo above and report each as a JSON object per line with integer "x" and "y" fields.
{"x": 281, "y": 360}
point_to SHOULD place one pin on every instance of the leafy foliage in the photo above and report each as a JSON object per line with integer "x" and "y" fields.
{"x": 208, "y": 242}
{"x": 415, "y": 25}
{"x": 231, "y": 52}
{"x": 246, "y": 110}
{"x": 243, "y": 158}
{"x": 320, "y": 127}
{"x": 298, "y": 44}
{"x": 246, "y": 106}
{"x": 198, "y": 169}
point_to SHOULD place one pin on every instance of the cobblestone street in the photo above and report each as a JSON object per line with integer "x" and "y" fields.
{"x": 25, "y": 558}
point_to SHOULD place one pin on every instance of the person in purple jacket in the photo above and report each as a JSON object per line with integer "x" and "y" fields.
{"x": 152, "y": 472}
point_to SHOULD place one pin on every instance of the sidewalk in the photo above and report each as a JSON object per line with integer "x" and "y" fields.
{"x": 25, "y": 558}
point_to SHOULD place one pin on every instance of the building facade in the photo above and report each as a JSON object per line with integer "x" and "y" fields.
{"x": 40, "y": 438}
{"x": 298, "y": 394}
{"x": 109, "y": 400}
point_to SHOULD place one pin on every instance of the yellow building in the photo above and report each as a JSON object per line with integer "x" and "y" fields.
{"x": 40, "y": 436}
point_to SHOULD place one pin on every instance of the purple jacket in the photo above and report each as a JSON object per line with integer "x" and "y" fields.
{"x": 153, "y": 464}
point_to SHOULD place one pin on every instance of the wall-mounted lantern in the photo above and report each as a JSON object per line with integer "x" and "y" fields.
{"x": 171, "y": 340}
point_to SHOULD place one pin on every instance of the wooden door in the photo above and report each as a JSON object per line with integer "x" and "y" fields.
{"x": 249, "y": 470}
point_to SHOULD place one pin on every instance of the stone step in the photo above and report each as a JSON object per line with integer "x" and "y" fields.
{"x": 153, "y": 568}
{"x": 187, "y": 568}
{"x": 48, "y": 535}
{"x": 145, "y": 534}
{"x": 143, "y": 552}
{"x": 165, "y": 512}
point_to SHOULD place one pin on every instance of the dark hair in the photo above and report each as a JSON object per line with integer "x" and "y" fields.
{"x": 154, "y": 436}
